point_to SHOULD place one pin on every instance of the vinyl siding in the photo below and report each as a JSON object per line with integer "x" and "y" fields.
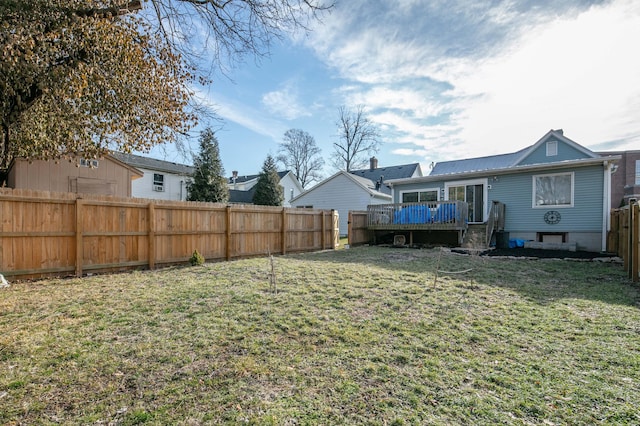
{"x": 175, "y": 186}
{"x": 397, "y": 189}
{"x": 516, "y": 192}
{"x": 565, "y": 152}
{"x": 288, "y": 183}
{"x": 341, "y": 194}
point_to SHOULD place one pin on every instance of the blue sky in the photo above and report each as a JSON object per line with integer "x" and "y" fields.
{"x": 442, "y": 80}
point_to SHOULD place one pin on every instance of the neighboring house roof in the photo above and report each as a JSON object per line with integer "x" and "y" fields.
{"x": 248, "y": 178}
{"x": 241, "y": 197}
{"x": 153, "y": 164}
{"x": 507, "y": 163}
{"x": 387, "y": 173}
{"x": 245, "y": 196}
{"x": 366, "y": 184}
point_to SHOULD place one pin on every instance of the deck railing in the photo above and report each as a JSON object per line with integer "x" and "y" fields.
{"x": 495, "y": 221}
{"x": 436, "y": 215}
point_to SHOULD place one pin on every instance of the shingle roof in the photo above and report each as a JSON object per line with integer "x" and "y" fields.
{"x": 241, "y": 197}
{"x": 387, "y": 173}
{"x": 153, "y": 164}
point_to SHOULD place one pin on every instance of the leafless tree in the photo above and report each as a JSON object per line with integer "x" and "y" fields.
{"x": 300, "y": 153}
{"x": 86, "y": 76}
{"x": 215, "y": 34}
{"x": 358, "y": 138}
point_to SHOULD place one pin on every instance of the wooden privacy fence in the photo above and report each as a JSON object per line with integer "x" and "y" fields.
{"x": 358, "y": 229}
{"x": 45, "y": 234}
{"x": 624, "y": 238}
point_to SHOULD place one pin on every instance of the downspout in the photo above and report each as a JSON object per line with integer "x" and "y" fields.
{"x": 606, "y": 204}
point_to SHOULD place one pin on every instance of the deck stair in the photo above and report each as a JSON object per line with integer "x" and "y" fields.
{"x": 475, "y": 237}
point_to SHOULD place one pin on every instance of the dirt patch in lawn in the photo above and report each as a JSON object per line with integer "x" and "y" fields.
{"x": 547, "y": 254}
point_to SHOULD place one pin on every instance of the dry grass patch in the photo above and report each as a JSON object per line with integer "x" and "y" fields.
{"x": 354, "y": 336}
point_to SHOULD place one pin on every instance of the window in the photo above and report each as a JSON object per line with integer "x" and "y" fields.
{"x": 158, "y": 182}
{"x": 89, "y": 163}
{"x": 637, "y": 172}
{"x": 553, "y": 190}
{"x": 426, "y": 196}
{"x": 552, "y": 148}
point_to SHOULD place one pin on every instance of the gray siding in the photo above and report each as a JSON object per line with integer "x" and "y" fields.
{"x": 565, "y": 152}
{"x": 397, "y": 189}
{"x": 582, "y": 222}
{"x": 516, "y": 192}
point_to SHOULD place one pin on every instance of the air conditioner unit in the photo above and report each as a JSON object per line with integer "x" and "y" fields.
{"x": 159, "y": 188}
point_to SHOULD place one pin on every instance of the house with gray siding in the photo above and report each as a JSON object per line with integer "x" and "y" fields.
{"x": 555, "y": 190}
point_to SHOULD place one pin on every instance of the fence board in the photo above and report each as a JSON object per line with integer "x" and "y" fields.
{"x": 45, "y": 233}
{"x": 624, "y": 238}
{"x": 359, "y": 232}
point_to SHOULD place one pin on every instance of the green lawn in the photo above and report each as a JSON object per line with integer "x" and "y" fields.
{"x": 358, "y": 336}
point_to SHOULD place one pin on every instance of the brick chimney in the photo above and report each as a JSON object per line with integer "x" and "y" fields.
{"x": 373, "y": 163}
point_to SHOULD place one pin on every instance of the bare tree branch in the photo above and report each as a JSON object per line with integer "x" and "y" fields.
{"x": 300, "y": 153}
{"x": 357, "y": 138}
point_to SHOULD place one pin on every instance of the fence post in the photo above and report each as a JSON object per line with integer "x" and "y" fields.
{"x": 335, "y": 241}
{"x": 634, "y": 241}
{"x": 350, "y": 228}
{"x": 79, "y": 242}
{"x": 152, "y": 236}
{"x": 228, "y": 242}
{"x": 323, "y": 226}
{"x": 284, "y": 230}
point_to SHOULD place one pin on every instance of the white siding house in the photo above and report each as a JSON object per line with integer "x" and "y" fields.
{"x": 161, "y": 180}
{"x": 342, "y": 192}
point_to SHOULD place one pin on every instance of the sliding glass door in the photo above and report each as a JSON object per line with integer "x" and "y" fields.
{"x": 473, "y": 194}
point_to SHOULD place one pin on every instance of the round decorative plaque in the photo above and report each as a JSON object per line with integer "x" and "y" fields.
{"x": 552, "y": 217}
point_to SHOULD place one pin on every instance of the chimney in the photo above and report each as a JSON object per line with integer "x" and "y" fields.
{"x": 373, "y": 163}
{"x": 234, "y": 177}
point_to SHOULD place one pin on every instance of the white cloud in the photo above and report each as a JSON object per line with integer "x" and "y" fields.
{"x": 285, "y": 102}
{"x": 241, "y": 114}
{"x": 515, "y": 73}
{"x": 579, "y": 74}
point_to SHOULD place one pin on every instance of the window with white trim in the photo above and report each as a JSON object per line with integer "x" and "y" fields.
{"x": 158, "y": 182}
{"x": 420, "y": 196}
{"x": 552, "y": 148}
{"x": 553, "y": 190}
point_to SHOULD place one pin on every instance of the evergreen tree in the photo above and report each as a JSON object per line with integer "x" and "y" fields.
{"x": 268, "y": 189}
{"x": 209, "y": 183}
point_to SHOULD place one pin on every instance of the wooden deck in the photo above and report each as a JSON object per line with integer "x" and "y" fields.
{"x": 437, "y": 215}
